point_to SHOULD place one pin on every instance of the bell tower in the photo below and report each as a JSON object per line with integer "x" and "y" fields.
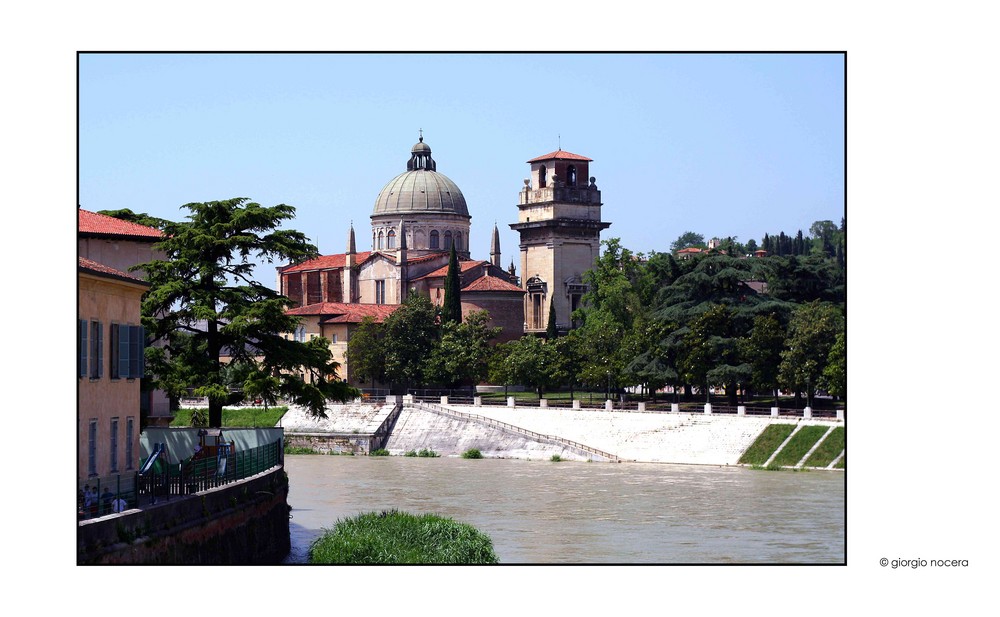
{"x": 559, "y": 221}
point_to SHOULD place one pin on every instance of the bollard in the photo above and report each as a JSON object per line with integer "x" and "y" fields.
{"x": 444, "y": 400}
{"x": 741, "y": 410}
{"x": 642, "y": 406}
{"x": 774, "y": 412}
{"x": 840, "y": 414}
{"x": 477, "y": 401}
{"x": 807, "y": 413}
{"x": 408, "y": 399}
{"x": 543, "y": 402}
{"x": 675, "y": 408}
{"x": 576, "y": 403}
{"x": 708, "y": 408}
{"x": 510, "y": 401}
{"x": 609, "y": 405}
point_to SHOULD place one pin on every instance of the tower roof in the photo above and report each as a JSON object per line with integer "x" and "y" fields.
{"x": 561, "y": 155}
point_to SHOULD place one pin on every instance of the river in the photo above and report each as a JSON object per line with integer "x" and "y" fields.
{"x": 598, "y": 513}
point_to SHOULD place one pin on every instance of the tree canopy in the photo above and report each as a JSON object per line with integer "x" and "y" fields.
{"x": 204, "y": 304}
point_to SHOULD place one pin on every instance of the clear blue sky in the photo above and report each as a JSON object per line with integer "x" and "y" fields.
{"x": 718, "y": 144}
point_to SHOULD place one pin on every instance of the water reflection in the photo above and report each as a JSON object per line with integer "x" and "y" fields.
{"x": 544, "y": 512}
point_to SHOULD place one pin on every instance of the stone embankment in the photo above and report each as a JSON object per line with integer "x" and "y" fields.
{"x": 663, "y": 437}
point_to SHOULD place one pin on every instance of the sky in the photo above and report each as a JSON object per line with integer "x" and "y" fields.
{"x": 719, "y": 144}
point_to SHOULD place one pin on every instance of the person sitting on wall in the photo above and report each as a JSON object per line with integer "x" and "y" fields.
{"x": 89, "y": 500}
{"x": 119, "y": 505}
{"x": 106, "y": 498}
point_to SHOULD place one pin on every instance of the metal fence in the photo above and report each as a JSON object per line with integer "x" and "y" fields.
{"x": 100, "y": 496}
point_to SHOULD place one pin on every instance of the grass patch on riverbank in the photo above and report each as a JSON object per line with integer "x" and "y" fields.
{"x": 831, "y": 447}
{"x": 424, "y": 453}
{"x": 393, "y": 537}
{"x": 797, "y": 447}
{"x": 766, "y": 444}
{"x": 300, "y": 450}
{"x": 249, "y": 417}
{"x": 472, "y": 453}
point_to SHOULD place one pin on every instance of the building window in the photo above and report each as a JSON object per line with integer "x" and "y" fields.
{"x": 435, "y": 239}
{"x": 114, "y": 445}
{"x": 541, "y": 176}
{"x": 300, "y": 334}
{"x": 380, "y": 240}
{"x": 391, "y": 240}
{"x": 458, "y": 241}
{"x": 571, "y": 175}
{"x": 127, "y": 343}
{"x": 129, "y": 436}
{"x": 334, "y": 340}
{"x": 447, "y": 240}
{"x": 92, "y": 448}
{"x": 379, "y": 292}
{"x": 82, "y": 358}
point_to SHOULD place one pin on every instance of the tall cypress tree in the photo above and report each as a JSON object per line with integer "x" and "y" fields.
{"x": 452, "y": 308}
{"x": 551, "y": 331}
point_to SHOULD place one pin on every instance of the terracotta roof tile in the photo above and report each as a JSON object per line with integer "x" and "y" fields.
{"x": 560, "y": 154}
{"x": 491, "y": 283}
{"x": 463, "y": 266}
{"x": 99, "y": 268}
{"x": 325, "y": 262}
{"x": 93, "y": 223}
{"x": 341, "y": 312}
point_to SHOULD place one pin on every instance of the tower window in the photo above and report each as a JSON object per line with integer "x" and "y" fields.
{"x": 541, "y": 176}
{"x": 435, "y": 239}
{"x": 458, "y": 241}
{"x": 379, "y": 246}
{"x": 571, "y": 175}
{"x": 391, "y": 239}
{"x": 447, "y": 240}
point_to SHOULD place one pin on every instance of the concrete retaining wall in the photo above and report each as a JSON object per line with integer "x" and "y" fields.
{"x": 244, "y": 522}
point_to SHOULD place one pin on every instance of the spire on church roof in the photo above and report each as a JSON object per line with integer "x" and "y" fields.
{"x": 351, "y": 248}
{"x": 495, "y": 246}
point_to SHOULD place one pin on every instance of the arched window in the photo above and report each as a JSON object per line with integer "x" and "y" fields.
{"x": 458, "y": 241}
{"x": 447, "y": 240}
{"x": 434, "y": 239}
{"x": 380, "y": 240}
{"x": 541, "y": 176}
{"x": 390, "y": 242}
{"x": 571, "y": 175}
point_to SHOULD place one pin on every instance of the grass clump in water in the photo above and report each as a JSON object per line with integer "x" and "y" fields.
{"x": 393, "y": 537}
{"x": 472, "y": 453}
{"x": 555, "y": 458}
{"x": 379, "y": 452}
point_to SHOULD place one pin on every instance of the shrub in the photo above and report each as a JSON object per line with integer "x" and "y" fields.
{"x": 428, "y": 453}
{"x": 410, "y": 453}
{"x": 393, "y": 537}
{"x": 299, "y": 450}
{"x": 379, "y": 452}
{"x": 199, "y": 417}
{"x": 555, "y": 458}
{"x": 472, "y": 453}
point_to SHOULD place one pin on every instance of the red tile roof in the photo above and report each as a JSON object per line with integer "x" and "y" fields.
{"x": 463, "y": 266}
{"x": 325, "y": 262}
{"x": 93, "y": 223}
{"x": 491, "y": 283}
{"x": 89, "y": 265}
{"x": 691, "y": 249}
{"x": 559, "y": 154}
{"x": 341, "y": 312}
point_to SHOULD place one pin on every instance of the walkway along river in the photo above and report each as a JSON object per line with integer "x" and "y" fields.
{"x": 575, "y": 512}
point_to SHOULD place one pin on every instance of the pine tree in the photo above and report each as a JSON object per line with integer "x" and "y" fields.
{"x": 551, "y": 331}
{"x": 452, "y": 308}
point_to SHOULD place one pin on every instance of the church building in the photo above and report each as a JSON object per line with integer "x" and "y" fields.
{"x": 418, "y": 217}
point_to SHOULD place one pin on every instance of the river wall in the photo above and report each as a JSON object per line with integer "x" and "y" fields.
{"x": 245, "y": 522}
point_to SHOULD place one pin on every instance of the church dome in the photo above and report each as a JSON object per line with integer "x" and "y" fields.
{"x": 421, "y": 189}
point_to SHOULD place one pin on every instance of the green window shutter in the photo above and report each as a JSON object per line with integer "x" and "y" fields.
{"x": 123, "y": 347}
{"x": 83, "y": 347}
{"x": 114, "y": 351}
{"x": 135, "y": 351}
{"x": 100, "y": 350}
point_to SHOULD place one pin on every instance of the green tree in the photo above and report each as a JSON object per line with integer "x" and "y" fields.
{"x": 203, "y": 300}
{"x": 835, "y": 372}
{"x": 762, "y": 349}
{"x": 140, "y": 218}
{"x": 451, "y": 309}
{"x": 533, "y": 363}
{"x": 709, "y": 354}
{"x": 463, "y": 354}
{"x": 551, "y": 331}
{"x": 686, "y": 240}
{"x": 411, "y": 333}
{"x": 365, "y": 355}
{"x": 811, "y": 334}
